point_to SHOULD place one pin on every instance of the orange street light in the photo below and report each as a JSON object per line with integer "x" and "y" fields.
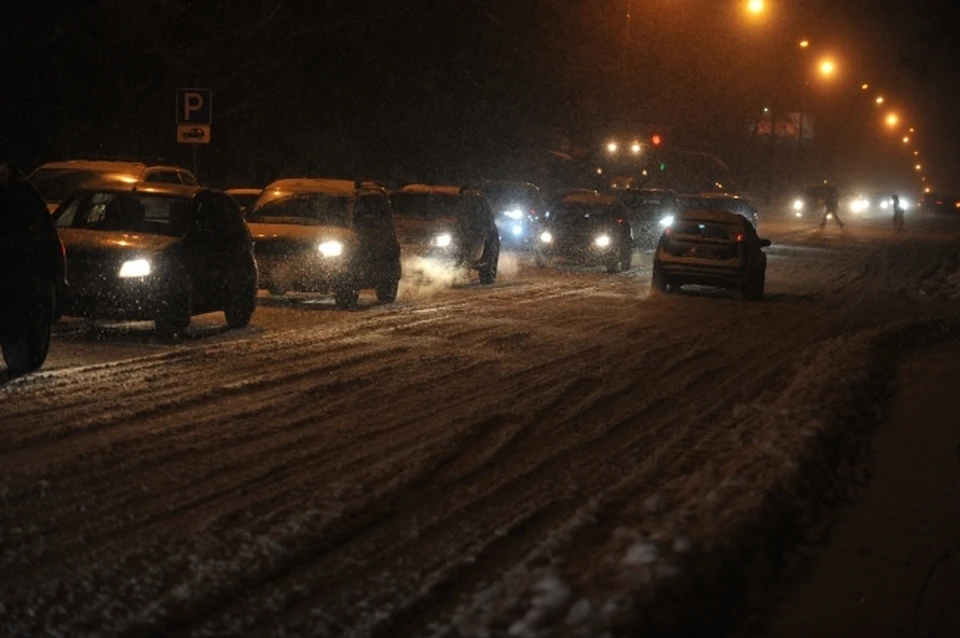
{"x": 612, "y": 147}
{"x": 906, "y": 140}
{"x": 892, "y": 119}
{"x": 827, "y": 67}
{"x": 918, "y": 167}
{"x": 879, "y": 99}
{"x": 911, "y": 129}
{"x": 864, "y": 86}
{"x": 804, "y": 44}
{"x": 916, "y": 152}
{"x": 635, "y": 148}
{"x": 926, "y": 190}
{"x": 756, "y": 7}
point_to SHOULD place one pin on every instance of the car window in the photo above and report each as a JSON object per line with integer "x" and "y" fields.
{"x": 706, "y": 230}
{"x": 188, "y": 178}
{"x": 426, "y": 205}
{"x": 57, "y": 184}
{"x": 316, "y": 209}
{"x": 219, "y": 215}
{"x": 162, "y": 177}
{"x": 147, "y": 213}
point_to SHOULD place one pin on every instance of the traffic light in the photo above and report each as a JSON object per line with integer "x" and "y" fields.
{"x": 656, "y": 139}
{"x": 663, "y": 166}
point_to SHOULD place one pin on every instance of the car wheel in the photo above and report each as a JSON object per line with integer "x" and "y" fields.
{"x": 28, "y": 350}
{"x": 657, "y": 282}
{"x": 387, "y": 290}
{"x": 539, "y": 260}
{"x": 613, "y": 265}
{"x": 490, "y": 261}
{"x": 346, "y": 297}
{"x": 627, "y": 259}
{"x": 759, "y": 284}
{"x": 175, "y": 312}
{"x": 238, "y": 309}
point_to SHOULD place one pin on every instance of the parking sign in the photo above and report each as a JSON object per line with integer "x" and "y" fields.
{"x": 194, "y": 115}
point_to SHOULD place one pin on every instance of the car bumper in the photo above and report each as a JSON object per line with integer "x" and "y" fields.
{"x": 304, "y": 273}
{"x": 579, "y": 256}
{"x": 679, "y": 274}
{"x": 127, "y": 300}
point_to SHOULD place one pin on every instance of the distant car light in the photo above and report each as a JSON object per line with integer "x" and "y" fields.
{"x": 884, "y": 204}
{"x": 602, "y": 241}
{"x": 331, "y": 249}
{"x": 443, "y": 241}
{"x": 666, "y": 221}
{"x": 518, "y": 230}
{"x": 546, "y": 237}
{"x": 798, "y": 204}
{"x": 135, "y": 268}
{"x": 859, "y": 205}
{"x": 516, "y": 213}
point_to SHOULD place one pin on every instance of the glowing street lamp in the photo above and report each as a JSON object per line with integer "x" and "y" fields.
{"x": 827, "y": 68}
{"x": 864, "y": 86}
{"x": 635, "y": 148}
{"x": 892, "y": 120}
{"x": 804, "y": 44}
{"x": 911, "y": 129}
{"x": 612, "y": 147}
{"x": 906, "y": 140}
{"x": 916, "y": 152}
{"x": 918, "y": 167}
{"x": 879, "y": 99}
{"x": 756, "y": 7}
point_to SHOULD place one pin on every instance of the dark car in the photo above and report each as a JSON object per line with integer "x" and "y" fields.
{"x": 32, "y": 273}
{"x": 450, "y": 226}
{"x": 517, "y": 207}
{"x": 649, "y": 211}
{"x": 586, "y": 229}
{"x": 159, "y": 252}
{"x": 245, "y": 197}
{"x": 723, "y": 202}
{"x": 326, "y": 235}
{"x": 56, "y": 181}
{"x": 711, "y": 248}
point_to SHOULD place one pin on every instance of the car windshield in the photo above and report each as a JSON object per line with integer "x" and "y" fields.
{"x": 147, "y": 213}
{"x": 706, "y": 229}
{"x": 425, "y": 205}
{"x": 57, "y": 184}
{"x": 573, "y": 214}
{"x": 314, "y": 209}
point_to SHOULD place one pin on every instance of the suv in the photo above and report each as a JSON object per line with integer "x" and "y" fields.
{"x": 32, "y": 273}
{"x": 721, "y": 202}
{"x": 711, "y": 248}
{"x": 58, "y": 180}
{"x": 163, "y": 252}
{"x": 586, "y": 229}
{"x": 323, "y": 235}
{"x": 450, "y": 224}
{"x": 517, "y": 207}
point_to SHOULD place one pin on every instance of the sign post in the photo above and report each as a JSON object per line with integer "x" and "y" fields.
{"x": 194, "y": 116}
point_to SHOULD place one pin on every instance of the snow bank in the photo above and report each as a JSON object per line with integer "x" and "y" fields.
{"x": 706, "y": 544}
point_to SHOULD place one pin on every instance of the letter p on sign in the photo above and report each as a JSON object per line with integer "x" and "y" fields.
{"x": 194, "y": 106}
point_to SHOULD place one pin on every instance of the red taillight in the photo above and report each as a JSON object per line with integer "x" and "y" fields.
{"x": 740, "y": 238}
{"x": 63, "y": 249}
{"x": 668, "y": 231}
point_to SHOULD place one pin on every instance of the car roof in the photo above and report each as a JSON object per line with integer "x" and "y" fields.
{"x": 589, "y": 198}
{"x": 711, "y": 215}
{"x": 109, "y": 166}
{"x": 649, "y": 191}
{"x": 314, "y": 185}
{"x": 158, "y": 188}
{"x": 243, "y": 191}
{"x": 432, "y": 189}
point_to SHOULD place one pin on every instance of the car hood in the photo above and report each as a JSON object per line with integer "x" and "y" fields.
{"x": 421, "y": 230}
{"x": 267, "y": 237}
{"x": 85, "y": 243}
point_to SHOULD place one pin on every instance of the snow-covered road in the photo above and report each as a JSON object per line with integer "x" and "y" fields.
{"x": 465, "y": 460}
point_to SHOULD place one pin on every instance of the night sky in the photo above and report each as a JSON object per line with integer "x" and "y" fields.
{"x": 399, "y": 90}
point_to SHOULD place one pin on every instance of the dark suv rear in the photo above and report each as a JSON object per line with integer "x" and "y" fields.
{"x": 32, "y": 273}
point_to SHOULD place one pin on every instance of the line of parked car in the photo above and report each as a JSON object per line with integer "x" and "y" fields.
{"x": 139, "y": 241}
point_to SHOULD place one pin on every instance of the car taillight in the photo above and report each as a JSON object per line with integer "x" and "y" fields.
{"x": 63, "y": 249}
{"x": 668, "y": 231}
{"x": 740, "y": 238}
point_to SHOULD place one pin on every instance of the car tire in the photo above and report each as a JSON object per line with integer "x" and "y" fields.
{"x": 28, "y": 350}
{"x": 627, "y": 259}
{"x": 490, "y": 263}
{"x": 759, "y": 284}
{"x": 175, "y": 312}
{"x": 387, "y": 290}
{"x": 613, "y": 265}
{"x": 346, "y": 297}
{"x": 238, "y": 309}
{"x": 658, "y": 283}
{"x": 539, "y": 260}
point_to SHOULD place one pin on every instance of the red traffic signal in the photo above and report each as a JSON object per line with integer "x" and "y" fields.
{"x": 656, "y": 139}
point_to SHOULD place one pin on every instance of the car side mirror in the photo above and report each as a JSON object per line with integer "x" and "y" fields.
{"x": 764, "y": 243}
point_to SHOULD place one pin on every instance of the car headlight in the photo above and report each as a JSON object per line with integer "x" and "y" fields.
{"x": 885, "y": 205}
{"x": 602, "y": 241}
{"x": 798, "y": 204}
{"x": 331, "y": 248}
{"x": 443, "y": 241}
{"x": 518, "y": 230}
{"x": 516, "y": 213}
{"x": 135, "y": 268}
{"x": 666, "y": 220}
{"x": 546, "y": 237}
